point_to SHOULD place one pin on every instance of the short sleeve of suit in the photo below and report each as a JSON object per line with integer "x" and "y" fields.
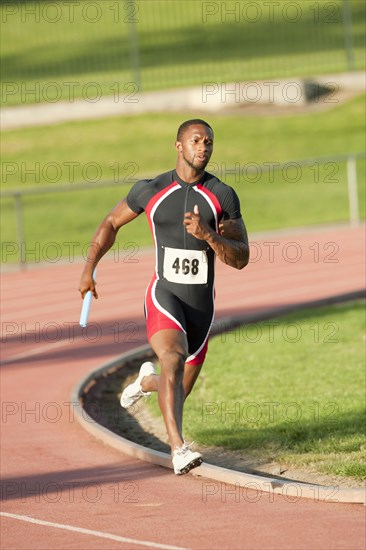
{"x": 138, "y": 196}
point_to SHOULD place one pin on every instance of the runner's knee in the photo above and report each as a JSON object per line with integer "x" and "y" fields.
{"x": 172, "y": 362}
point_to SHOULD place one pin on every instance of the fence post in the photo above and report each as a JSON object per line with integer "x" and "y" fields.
{"x": 348, "y": 38}
{"x": 20, "y": 229}
{"x": 352, "y": 191}
{"x": 132, "y": 21}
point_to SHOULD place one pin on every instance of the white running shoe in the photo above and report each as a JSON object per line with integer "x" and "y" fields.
{"x": 133, "y": 392}
{"x": 185, "y": 460}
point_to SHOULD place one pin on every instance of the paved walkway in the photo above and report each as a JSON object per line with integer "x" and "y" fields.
{"x": 207, "y": 98}
{"x": 82, "y": 494}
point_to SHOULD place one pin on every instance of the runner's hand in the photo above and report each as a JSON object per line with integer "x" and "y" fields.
{"x": 87, "y": 283}
{"x": 196, "y": 226}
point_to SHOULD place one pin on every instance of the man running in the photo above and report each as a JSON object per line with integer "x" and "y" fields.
{"x": 193, "y": 218}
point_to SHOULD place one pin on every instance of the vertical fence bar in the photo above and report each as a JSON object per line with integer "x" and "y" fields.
{"x": 347, "y": 32}
{"x": 131, "y": 20}
{"x": 20, "y": 229}
{"x": 352, "y": 191}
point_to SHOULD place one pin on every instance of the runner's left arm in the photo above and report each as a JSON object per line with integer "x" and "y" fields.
{"x": 231, "y": 245}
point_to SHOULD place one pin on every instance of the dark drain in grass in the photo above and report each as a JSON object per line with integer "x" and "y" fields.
{"x": 100, "y": 400}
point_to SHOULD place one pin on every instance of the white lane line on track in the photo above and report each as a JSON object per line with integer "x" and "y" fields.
{"x": 100, "y": 534}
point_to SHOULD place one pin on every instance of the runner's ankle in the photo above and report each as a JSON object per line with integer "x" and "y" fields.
{"x": 146, "y": 383}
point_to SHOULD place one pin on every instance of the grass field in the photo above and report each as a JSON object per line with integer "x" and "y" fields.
{"x": 53, "y": 50}
{"x": 125, "y": 149}
{"x": 288, "y": 390}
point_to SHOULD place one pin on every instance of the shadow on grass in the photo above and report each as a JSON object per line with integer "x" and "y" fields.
{"x": 234, "y": 42}
{"x": 300, "y": 436}
{"x": 300, "y": 425}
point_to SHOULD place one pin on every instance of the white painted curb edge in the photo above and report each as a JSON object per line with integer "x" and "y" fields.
{"x": 292, "y": 490}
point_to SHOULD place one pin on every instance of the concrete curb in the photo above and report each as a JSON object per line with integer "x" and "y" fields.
{"x": 291, "y": 490}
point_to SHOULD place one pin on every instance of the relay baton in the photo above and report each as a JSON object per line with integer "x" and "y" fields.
{"x": 84, "y": 315}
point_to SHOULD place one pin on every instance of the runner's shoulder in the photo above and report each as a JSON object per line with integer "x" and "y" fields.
{"x": 144, "y": 190}
{"x": 214, "y": 184}
{"x": 157, "y": 182}
{"x": 225, "y": 194}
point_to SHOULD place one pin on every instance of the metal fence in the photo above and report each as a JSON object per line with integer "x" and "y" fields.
{"x": 352, "y": 189}
{"x": 66, "y": 49}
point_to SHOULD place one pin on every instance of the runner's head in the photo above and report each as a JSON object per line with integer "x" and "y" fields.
{"x": 194, "y": 143}
{"x": 193, "y": 122}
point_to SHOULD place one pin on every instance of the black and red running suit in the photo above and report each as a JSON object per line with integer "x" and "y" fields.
{"x": 181, "y": 293}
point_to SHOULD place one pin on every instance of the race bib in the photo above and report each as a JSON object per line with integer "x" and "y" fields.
{"x": 185, "y": 266}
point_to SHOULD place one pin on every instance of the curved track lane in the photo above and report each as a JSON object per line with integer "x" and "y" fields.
{"x": 61, "y": 488}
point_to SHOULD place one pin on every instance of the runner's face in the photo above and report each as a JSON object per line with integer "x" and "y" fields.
{"x": 196, "y": 146}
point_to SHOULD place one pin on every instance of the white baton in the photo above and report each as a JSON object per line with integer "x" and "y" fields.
{"x": 84, "y": 315}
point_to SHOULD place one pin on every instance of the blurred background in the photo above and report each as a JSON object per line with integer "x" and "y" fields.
{"x": 288, "y": 84}
{"x": 161, "y": 44}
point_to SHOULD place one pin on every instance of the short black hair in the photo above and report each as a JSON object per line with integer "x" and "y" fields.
{"x": 183, "y": 127}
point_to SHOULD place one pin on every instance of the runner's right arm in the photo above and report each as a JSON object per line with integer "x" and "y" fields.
{"x": 102, "y": 241}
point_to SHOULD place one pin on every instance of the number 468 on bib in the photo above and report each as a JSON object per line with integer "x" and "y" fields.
{"x": 185, "y": 266}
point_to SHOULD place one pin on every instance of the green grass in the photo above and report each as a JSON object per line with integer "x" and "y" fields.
{"x": 290, "y": 390}
{"x": 58, "y": 53}
{"x": 126, "y": 148}
{"x": 129, "y": 147}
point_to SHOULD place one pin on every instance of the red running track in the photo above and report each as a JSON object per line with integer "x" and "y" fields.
{"x": 82, "y": 494}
